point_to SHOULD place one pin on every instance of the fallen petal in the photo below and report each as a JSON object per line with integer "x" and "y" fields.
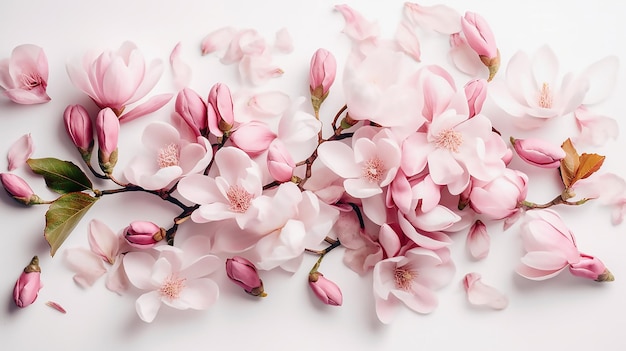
{"x": 180, "y": 69}
{"x": 20, "y": 151}
{"x": 480, "y": 294}
{"x": 56, "y": 306}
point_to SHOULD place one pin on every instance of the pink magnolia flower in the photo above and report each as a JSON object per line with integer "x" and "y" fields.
{"x": 24, "y": 76}
{"x": 106, "y": 249}
{"x": 243, "y": 273}
{"x": 479, "y": 35}
{"x": 228, "y": 195}
{"x": 220, "y": 110}
{"x": 253, "y": 137}
{"x": 18, "y": 189}
{"x": 79, "y": 127}
{"x": 538, "y": 152}
{"x": 118, "y": 78}
{"x": 411, "y": 279}
{"x": 500, "y": 198}
{"x": 192, "y": 110}
{"x": 280, "y": 164}
{"x": 143, "y": 234}
{"x": 107, "y": 131}
{"x": 167, "y": 157}
{"x": 327, "y": 291}
{"x": 20, "y": 151}
{"x": 28, "y": 284}
{"x": 481, "y": 294}
{"x": 171, "y": 279}
{"x": 591, "y": 267}
{"x": 322, "y": 73}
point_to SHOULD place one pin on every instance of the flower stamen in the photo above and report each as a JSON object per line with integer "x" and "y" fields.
{"x": 239, "y": 198}
{"x": 373, "y": 170}
{"x": 169, "y": 156}
{"x": 545, "y": 96}
{"x": 172, "y": 287}
{"x": 404, "y": 278}
{"x": 449, "y": 139}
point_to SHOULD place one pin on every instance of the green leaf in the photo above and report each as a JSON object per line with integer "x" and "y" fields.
{"x": 61, "y": 176}
{"x": 63, "y": 216}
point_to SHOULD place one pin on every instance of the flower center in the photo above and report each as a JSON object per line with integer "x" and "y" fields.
{"x": 449, "y": 139}
{"x": 373, "y": 170}
{"x": 171, "y": 287}
{"x": 239, "y": 198}
{"x": 31, "y": 81}
{"x": 404, "y": 278}
{"x": 169, "y": 156}
{"x": 545, "y": 96}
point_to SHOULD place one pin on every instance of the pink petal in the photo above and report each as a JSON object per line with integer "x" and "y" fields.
{"x": 103, "y": 241}
{"x": 478, "y": 240}
{"x": 148, "y": 305}
{"x": 339, "y": 157}
{"x": 87, "y": 265}
{"x": 257, "y": 69}
{"x": 420, "y": 299}
{"x": 439, "y": 218}
{"x": 217, "y": 40}
{"x": 199, "y": 294}
{"x": 434, "y": 241}
{"x": 544, "y": 260}
{"x": 117, "y": 281}
{"x": 440, "y": 18}
{"x": 545, "y": 66}
{"x": 386, "y": 309}
{"x": 602, "y": 76}
{"x": 20, "y": 151}
{"x": 153, "y": 104}
{"x": 481, "y": 294}
{"x": 150, "y": 79}
{"x": 27, "y": 97}
{"x": 283, "y": 42}
{"x": 138, "y": 268}
{"x": 180, "y": 69}
{"x": 357, "y": 27}
{"x": 400, "y": 192}
{"x": 389, "y": 240}
{"x": 408, "y": 41}
{"x": 374, "y": 208}
{"x": 594, "y": 129}
{"x": 537, "y": 274}
{"x": 269, "y": 104}
{"x": 202, "y": 267}
{"x": 464, "y": 57}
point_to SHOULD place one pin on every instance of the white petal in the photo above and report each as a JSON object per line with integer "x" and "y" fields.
{"x": 180, "y": 69}
{"x": 339, "y": 158}
{"x": 138, "y": 267}
{"x": 88, "y": 266}
{"x": 479, "y": 293}
{"x": 148, "y": 305}
{"x": 602, "y": 76}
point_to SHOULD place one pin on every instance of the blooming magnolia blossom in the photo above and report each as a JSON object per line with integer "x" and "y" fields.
{"x": 24, "y": 76}
{"x": 411, "y": 279}
{"x": 500, "y": 198}
{"x": 167, "y": 157}
{"x": 172, "y": 279}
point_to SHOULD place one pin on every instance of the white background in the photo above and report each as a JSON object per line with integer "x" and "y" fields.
{"x": 562, "y": 313}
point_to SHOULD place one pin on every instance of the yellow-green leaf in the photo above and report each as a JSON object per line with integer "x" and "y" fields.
{"x": 61, "y": 176}
{"x": 63, "y": 216}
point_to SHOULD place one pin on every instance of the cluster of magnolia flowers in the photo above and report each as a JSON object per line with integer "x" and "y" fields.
{"x": 411, "y": 163}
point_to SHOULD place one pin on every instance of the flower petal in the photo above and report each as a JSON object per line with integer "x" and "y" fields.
{"x": 481, "y": 294}
{"x": 138, "y": 268}
{"x": 440, "y": 18}
{"x": 87, "y": 265}
{"x": 148, "y": 305}
{"x": 153, "y": 104}
{"x": 103, "y": 241}
{"x": 20, "y": 151}
{"x": 339, "y": 157}
{"x": 199, "y": 294}
{"x": 602, "y": 76}
{"x": 180, "y": 69}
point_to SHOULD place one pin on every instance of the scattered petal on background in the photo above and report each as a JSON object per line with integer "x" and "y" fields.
{"x": 602, "y": 77}
{"x": 88, "y": 266}
{"x": 463, "y": 57}
{"x": 594, "y": 129}
{"x": 284, "y": 42}
{"x": 481, "y": 294}
{"x": 20, "y": 151}
{"x": 408, "y": 41}
{"x": 268, "y": 104}
{"x": 180, "y": 69}
{"x": 478, "y": 240}
{"x": 357, "y": 27}
{"x": 217, "y": 40}
{"x": 439, "y": 18}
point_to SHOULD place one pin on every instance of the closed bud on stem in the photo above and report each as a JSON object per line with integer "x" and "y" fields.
{"x": 143, "y": 235}
{"x": 107, "y": 130}
{"x": 538, "y": 152}
{"x": 28, "y": 284}
{"x": 280, "y": 164}
{"x": 221, "y": 118}
{"x": 476, "y": 93}
{"x": 19, "y": 190}
{"x": 193, "y": 110}
{"x": 243, "y": 273}
{"x": 325, "y": 290}
{"x": 321, "y": 76}
{"x": 481, "y": 39}
{"x": 79, "y": 128}
{"x": 591, "y": 267}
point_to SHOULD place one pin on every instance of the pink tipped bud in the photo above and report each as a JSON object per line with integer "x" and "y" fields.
{"x": 476, "y": 93}
{"x": 79, "y": 127}
{"x": 591, "y": 268}
{"x": 538, "y": 152}
{"x": 143, "y": 235}
{"x": 107, "y": 130}
{"x": 325, "y": 290}
{"x": 243, "y": 273}
{"x": 479, "y": 35}
{"x": 18, "y": 189}
{"x": 193, "y": 110}
{"x": 279, "y": 161}
{"x": 28, "y": 284}
{"x": 321, "y": 75}
{"x": 253, "y": 137}
{"x": 220, "y": 110}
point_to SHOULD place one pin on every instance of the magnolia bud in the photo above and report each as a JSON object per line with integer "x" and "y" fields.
{"x": 476, "y": 93}
{"x": 28, "y": 284}
{"x": 19, "y": 190}
{"x": 591, "y": 268}
{"x": 143, "y": 235}
{"x": 193, "y": 110}
{"x": 253, "y": 137}
{"x": 538, "y": 152}
{"x": 243, "y": 273}
{"x": 325, "y": 290}
{"x": 280, "y": 164}
{"x": 482, "y": 40}
{"x": 321, "y": 75}
{"x": 220, "y": 110}
{"x": 107, "y": 130}
{"x": 79, "y": 127}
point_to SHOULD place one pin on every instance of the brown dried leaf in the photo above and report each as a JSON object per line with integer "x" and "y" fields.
{"x": 570, "y": 163}
{"x": 589, "y": 164}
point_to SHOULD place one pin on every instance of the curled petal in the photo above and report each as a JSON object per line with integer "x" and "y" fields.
{"x": 357, "y": 27}
{"x": 20, "y": 151}
{"x": 408, "y": 41}
{"x": 153, "y": 104}
{"x": 180, "y": 69}
{"x": 478, "y": 240}
{"x": 594, "y": 129}
{"x": 103, "y": 241}
{"x": 481, "y": 294}
{"x": 217, "y": 40}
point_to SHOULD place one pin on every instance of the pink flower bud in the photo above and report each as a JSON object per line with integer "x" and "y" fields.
{"x": 193, "y": 110}
{"x": 591, "y": 267}
{"x": 19, "y": 190}
{"x": 322, "y": 72}
{"x": 79, "y": 127}
{"x": 143, "y": 235}
{"x": 327, "y": 291}
{"x": 476, "y": 93}
{"x": 279, "y": 161}
{"x": 479, "y": 35}
{"x": 500, "y": 197}
{"x": 107, "y": 130}
{"x": 538, "y": 152}
{"x": 253, "y": 137}
{"x": 28, "y": 284}
{"x": 243, "y": 273}
{"x": 220, "y": 110}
